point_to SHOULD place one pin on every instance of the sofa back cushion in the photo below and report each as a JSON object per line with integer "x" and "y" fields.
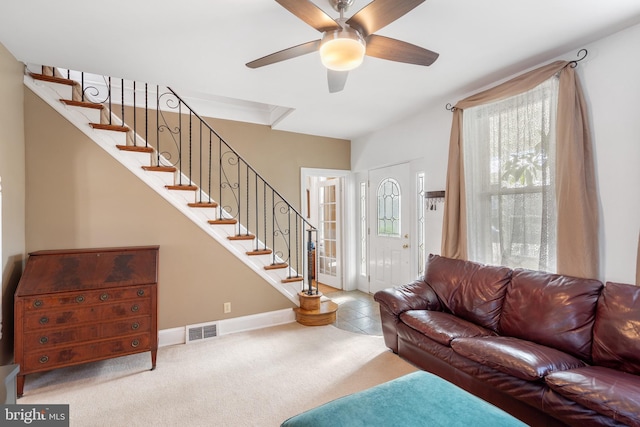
{"x": 470, "y": 290}
{"x": 551, "y": 309}
{"x": 616, "y": 333}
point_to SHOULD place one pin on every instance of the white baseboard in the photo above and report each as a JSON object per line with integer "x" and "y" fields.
{"x": 175, "y": 336}
{"x": 171, "y": 336}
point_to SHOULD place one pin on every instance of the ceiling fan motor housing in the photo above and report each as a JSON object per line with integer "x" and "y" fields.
{"x": 343, "y": 49}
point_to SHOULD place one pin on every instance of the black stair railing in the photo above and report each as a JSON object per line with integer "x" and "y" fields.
{"x": 159, "y": 118}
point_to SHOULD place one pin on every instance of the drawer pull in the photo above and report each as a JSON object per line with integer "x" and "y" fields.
{"x": 135, "y": 343}
{"x": 135, "y": 325}
{"x": 37, "y": 303}
{"x": 80, "y": 298}
{"x": 104, "y": 297}
{"x": 44, "y": 320}
{"x": 44, "y": 359}
{"x": 135, "y": 308}
{"x": 44, "y": 340}
{"x": 140, "y": 292}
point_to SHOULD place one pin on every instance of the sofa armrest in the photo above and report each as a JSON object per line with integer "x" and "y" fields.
{"x": 417, "y": 295}
{"x": 395, "y": 301}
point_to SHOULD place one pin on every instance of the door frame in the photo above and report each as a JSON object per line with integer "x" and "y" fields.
{"x": 416, "y": 166}
{"x": 348, "y": 234}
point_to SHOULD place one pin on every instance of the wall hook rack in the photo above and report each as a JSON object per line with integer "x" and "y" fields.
{"x": 433, "y": 198}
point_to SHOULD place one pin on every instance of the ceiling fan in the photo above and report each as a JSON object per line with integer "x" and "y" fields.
{"x": 345, "y": 41}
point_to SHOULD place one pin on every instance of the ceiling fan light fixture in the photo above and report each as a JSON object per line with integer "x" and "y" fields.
{"x": 342, "y": 50}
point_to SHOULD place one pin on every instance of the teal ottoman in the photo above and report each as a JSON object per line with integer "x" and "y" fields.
{"x": 416, "y": 399}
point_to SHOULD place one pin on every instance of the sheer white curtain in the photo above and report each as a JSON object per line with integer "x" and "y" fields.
{"x": 509, "y": 162}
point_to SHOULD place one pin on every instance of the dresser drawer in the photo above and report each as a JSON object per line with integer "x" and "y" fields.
{"x": 48, "y": 338}
{"x": 81, "y": 297}
{"x": 57, "y": 357}
{"x": 96, "y": 313}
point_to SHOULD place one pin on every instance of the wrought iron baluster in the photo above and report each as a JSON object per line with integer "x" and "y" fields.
{"x": 247, "y": 203}
{"x": 210, "y": 164}
{"x": 109, "y": 95}
{"x": 200, "y": 167}
{"x": 255, "y": 184}
{"x": 158, "y": 125}
{"x": 146, "y": 115}
{"x": 289, "y": 244}
{"x": 135, "y": 131}
{"x": 273, "y": 224}
{"x": 264, "y": 208}
{"x": 180, "y": 142}
{"x": 122, "y": 100}
{"x": 190, "y": 147}
{"x": 220, "y": 174}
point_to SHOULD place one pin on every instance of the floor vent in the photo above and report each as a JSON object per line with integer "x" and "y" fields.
{"x": 201, "y": 332}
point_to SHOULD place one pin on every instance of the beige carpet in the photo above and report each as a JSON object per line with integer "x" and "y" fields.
{"x": 256, "y": 378}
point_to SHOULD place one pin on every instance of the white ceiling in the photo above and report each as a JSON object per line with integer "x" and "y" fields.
{"x": 200, "y": 47}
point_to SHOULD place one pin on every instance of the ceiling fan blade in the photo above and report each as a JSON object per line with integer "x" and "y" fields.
{"x": 380, "y": 13}
{"x": 399, "y": 51}
{"x": 283, "y": 55}
{"x": 311, "y": 14}
{"x": 337, "y": 80}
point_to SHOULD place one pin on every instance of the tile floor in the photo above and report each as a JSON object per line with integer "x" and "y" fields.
{"x": 358, "y": 312}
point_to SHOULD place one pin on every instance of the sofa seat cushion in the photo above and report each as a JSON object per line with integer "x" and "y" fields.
{"x": 552, "y": 310}
{"x": 607, "y": 391}
{"x": 615, "y": 333}
{"x": 442, "y": 327}
{"x": 522, "y": 359}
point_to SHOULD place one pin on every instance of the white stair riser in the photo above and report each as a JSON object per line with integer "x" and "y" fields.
{"x": 61, "y": 90}
{"x": 92, "y": 114}
{"x": 164, "y": 178}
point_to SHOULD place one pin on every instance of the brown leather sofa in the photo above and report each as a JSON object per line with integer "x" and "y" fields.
{"x": 547, "y": 348}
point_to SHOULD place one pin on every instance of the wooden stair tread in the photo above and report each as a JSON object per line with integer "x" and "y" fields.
{"x": 276, "y": 266}
{"x": 53, "y": 79}
{"x": 260, "y": 252}
{"x": 83, "y": 104}
{"x": 293, "y": 279}
{"x": 223, "y": 221}
{"x": 135, "y": 148}
{"x": 159, "y": 168}
{"x": 203, "y": 205}
{"x": 242, "y": 237}
{"x": 181, "y": 187}
{"x": 325, "y": 307}
{"x": 117, "y": 128}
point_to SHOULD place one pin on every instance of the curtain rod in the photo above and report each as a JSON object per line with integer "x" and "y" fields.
{"x": 582, "y": 54}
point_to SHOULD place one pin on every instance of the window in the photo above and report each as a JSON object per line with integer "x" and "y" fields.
{"x": 509, "y": 163}
{"x": 420, "y": 206}
{"x": 363, "y": 228}
{"x": 389, "y": 208}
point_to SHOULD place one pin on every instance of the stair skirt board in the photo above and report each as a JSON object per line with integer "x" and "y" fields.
{"x": 51, "y": 93}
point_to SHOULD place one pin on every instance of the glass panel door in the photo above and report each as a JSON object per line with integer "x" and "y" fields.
{"x": 328, "y": 252}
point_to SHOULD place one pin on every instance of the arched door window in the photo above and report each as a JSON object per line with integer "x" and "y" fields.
{"x": 389, "y": 208}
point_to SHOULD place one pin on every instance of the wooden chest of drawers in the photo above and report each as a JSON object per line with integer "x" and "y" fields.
{"x": 83, "y": 305}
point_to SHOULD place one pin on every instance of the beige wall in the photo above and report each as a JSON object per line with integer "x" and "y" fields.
{"x": 12, "y": 173}
{"x": 80, "y": 197}
{"x": 278, "y": 156}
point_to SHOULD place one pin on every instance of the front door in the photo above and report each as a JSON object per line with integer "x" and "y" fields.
{"x": 389, "y": 226}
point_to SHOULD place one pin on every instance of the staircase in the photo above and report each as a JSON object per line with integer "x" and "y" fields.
{"x": 157, "y": 136}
